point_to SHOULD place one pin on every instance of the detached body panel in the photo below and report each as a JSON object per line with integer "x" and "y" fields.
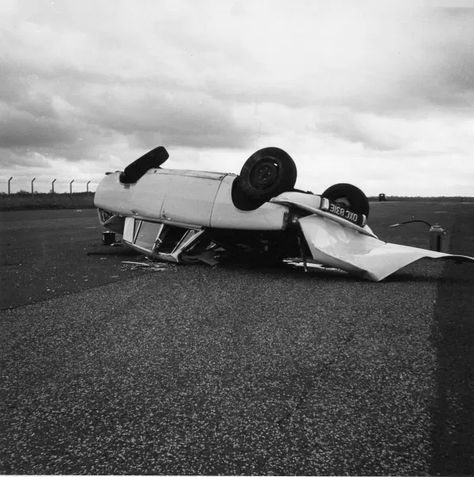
{"x": 334, "y": 245}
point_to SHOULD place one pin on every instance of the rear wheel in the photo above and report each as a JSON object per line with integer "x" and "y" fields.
{"x": 349, "y": 196}
{"x": 266, "y": 174}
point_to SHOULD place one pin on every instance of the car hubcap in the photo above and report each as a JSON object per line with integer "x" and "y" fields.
{"x": 264, "y": 174}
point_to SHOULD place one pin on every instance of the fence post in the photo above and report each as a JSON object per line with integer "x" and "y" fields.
{"x": 87, "y": 186}
{"x": 70, "y": 187}
{"x": 9, "y": 180}
{"x": 52, "y": 185}
{"x": 32, "y": 190}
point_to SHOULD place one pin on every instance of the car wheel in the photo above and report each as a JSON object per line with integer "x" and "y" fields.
{"x": 266, "y": 174}
{"x": 349, "y": 196}
{"x": 151, "y": 160}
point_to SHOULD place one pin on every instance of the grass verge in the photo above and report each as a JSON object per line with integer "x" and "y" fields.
{"x": 26, "y": 201}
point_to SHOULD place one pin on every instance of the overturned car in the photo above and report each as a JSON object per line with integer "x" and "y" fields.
{"x": 177, "y": 215}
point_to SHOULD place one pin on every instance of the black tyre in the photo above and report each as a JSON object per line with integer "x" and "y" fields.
{"x": 150, "y": 160}
{"x": 350, "y": 196}
{"x": 266, "y": 173}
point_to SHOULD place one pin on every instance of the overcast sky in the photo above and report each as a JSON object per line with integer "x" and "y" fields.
{"x": 376, "y": 93}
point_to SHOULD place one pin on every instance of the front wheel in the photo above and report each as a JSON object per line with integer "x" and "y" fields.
{"x": 350, "y": 196}
{"x": 266, "y": 174}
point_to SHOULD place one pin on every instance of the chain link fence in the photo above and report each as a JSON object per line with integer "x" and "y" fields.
{"x": 33, "y": 185}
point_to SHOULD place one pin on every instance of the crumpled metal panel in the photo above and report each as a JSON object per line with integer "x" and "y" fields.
{"x": 334, "y": 245}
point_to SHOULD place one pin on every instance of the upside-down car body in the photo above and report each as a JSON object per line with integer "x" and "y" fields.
{"x": 177, "y": 215}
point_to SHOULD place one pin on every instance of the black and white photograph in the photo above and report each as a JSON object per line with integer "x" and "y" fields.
{"x": 237, "y": 237}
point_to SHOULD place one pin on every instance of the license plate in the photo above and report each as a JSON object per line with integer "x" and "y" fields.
{"x": 343, "y": 212}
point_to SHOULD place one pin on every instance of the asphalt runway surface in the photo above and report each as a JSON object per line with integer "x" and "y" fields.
{"x": 110, "y": 368}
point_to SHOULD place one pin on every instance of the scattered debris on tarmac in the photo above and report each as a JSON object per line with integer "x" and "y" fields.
{"x": 148, "y": 265}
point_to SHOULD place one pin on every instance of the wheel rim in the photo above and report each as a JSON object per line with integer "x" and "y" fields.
{"x": 264, "y": 174}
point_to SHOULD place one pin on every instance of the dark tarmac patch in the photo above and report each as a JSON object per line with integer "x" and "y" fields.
{"x": 453, "y": 338}
{"x": 46, "y": 254}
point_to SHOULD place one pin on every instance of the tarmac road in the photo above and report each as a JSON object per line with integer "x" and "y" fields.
{"x": 231, "y": 369}
{"x": 44, "y": 253}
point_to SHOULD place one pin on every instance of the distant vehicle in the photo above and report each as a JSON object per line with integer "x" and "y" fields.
{"x": 179, "y": 215}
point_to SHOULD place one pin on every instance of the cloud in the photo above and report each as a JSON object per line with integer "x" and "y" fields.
{"x": 183, "y": 118}
{"x": 372, "y": 131}
{"x": 92, "y": 80}
{"x": 24, "y": 129}
{"x": 99, "y": 83}
{"x": 384, "y": 57}
{"x": 15, "y": 161}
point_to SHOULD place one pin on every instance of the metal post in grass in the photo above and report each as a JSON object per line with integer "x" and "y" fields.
{"x": 70, "y": 187}
{"x": 9, "y": 180}
{"x": 87, "y": 186}
{"x": 52, "y": 186}
{"x": 32, "y": 186}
